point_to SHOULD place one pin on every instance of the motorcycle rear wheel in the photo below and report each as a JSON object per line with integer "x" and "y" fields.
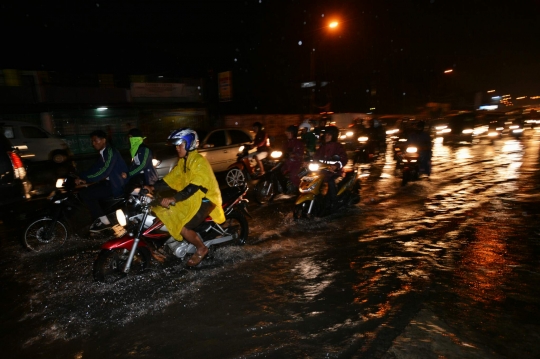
{"x": 109, "y": 265}
{"x": 45, "y": 234}
{"x": 265, "y": 191}
{"x": 236, "y": 223}
{"x": 235, "y": 177}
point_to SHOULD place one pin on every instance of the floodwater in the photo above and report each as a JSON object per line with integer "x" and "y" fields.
{"x": 442, "y": 267}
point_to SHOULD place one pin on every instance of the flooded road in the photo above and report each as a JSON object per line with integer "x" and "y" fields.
{"x": 442, "y": 267}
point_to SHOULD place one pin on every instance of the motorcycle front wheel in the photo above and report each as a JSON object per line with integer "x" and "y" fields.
{"x": 301, "y": 210}
{"x": 109, "y": 265}
{"x": 237, "y": 224}
{"x": 265, "y": 190}
{"x": 45, "y": 234}
{"x": 235, "y": 177}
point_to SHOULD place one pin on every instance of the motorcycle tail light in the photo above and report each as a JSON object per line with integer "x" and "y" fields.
{"x": 18, "y": 166}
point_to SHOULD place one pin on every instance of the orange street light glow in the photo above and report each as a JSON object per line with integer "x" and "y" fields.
{"x": 333, "y": 24}
{"x": 448, "y": 71}
{"x": 490, "y": 91}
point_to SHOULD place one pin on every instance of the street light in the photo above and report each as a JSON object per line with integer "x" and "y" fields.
{"x": 331, "y": 26}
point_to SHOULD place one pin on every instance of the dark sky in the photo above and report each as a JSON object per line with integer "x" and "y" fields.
{"x": 392, "y": 45}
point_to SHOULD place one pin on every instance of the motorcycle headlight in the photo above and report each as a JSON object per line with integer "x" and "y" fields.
{"x": 121, "y": 217}
{"x": 363, "y": 139}
{"x": 276, "y": 154}
{"x": 155, "y": 162}
{"x": 313, "y": 167}
{"x": 349, "y": 133}
{"x": 60, "y": 182}
{"x": 412, "y": 149}
{"x": 241, "y": 148}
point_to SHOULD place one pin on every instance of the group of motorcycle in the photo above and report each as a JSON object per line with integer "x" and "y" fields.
{"x": 311, "y": 200}
{"x": 138, "y": 235}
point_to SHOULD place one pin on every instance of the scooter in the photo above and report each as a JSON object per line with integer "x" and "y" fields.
{"x": 133, "y": 251}
{"x": 273, "y": 182}
{"x": 312, "y": 201}
{"x": 66, "y": 214}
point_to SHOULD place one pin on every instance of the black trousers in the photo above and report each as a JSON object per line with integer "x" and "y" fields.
{"x": 93, "y": 194}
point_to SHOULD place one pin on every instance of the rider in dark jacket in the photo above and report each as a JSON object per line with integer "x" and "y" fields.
{"x": 108, "y": 172}
{"x": 329, "y": 150}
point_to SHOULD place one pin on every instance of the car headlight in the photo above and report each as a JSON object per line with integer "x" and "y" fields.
{"x": 155, "y": 162}
{"x": 276, "y": 154}
{"x": 467, "y": 131}
{"x": 349, "y": 134}
{"x": 363, "y": 139}
{"x": 412, "y": 149}
{"x": 513, "y": 127}
{"x": 313, "y": 166}
{"x": 121, "y": 217}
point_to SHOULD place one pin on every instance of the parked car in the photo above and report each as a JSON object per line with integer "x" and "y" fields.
{"x": 34, "y": 143}
{"x": 219, "y": 147}
{"x": 13, "y": 185}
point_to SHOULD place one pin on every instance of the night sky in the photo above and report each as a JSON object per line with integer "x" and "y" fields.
{"x": 395, "y": 47}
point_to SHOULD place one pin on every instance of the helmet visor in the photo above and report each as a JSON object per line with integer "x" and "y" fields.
{"x": 176, "y": 142}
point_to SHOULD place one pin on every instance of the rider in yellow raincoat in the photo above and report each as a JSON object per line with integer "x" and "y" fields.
{"x": 198, "y": 193}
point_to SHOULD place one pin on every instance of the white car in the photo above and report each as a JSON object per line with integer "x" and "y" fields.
{"x": 34, "y": 143}
{"x": 219, "y": 147}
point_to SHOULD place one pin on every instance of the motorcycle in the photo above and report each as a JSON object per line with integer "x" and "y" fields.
{"x": 273, "y": 182}
{"x": 411, "y": 163}
{"x": 133, "y": 251}
{"x": 313, "y": 189}
{"x": 65, "y": 214}
{"x": 245, "y": 168}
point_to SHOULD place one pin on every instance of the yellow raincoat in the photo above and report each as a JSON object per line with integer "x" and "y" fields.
{"x": 197, "y": 172}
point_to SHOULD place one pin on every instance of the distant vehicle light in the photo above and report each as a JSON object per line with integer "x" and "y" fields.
{"x": 412, "y": 149}
{"x": 519, "y": 130}
{"x": 493, "y": 134}
{"x": 467, "y": 131}
{"x": 439, "y": 128}
{"x": 402, "y": 140}
{"x": 363, "y": 139}
{"x": 349, "y": 133}
{"x": 513, "y": 127}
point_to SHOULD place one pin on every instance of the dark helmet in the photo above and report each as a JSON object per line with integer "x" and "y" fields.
{"x": 258, "y": 125}
{"x": 293, "y": 130}
{"x": 184, "y": 135}
{"x": 332, "y": 130}
{"x": 135, "y": 132}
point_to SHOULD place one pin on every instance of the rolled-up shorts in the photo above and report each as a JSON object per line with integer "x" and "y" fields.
{"x": 203, "y": 212}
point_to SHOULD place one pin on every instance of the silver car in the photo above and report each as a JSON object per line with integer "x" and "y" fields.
{"x": 219, "y": 147}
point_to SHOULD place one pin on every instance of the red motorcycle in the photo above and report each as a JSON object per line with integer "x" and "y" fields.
{"x": 133, "y": 251}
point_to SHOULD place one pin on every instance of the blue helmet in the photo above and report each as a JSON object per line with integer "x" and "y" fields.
{"x": 186, "y": 136}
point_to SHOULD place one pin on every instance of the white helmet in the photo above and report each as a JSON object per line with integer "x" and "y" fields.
{"x": 305, "y": 125}
{"x": 184, "y": 135}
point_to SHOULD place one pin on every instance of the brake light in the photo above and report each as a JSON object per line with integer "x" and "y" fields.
{"x": 18, "y": 166}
